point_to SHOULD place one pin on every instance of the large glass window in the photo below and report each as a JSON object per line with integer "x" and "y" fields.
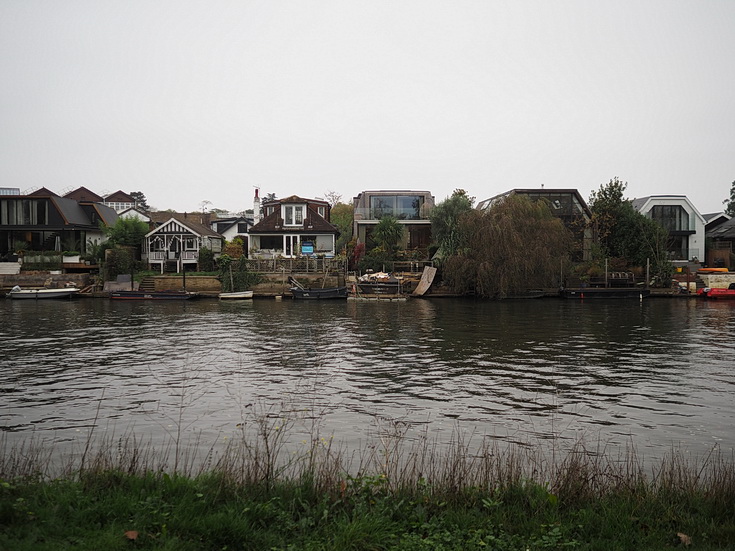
{"x": 671, "y": 217}
{"x": 23, "y": 212}
{"x": 403, "y": 207}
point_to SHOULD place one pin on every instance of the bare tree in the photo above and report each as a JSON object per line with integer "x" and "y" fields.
{"x": 332, "y": 197}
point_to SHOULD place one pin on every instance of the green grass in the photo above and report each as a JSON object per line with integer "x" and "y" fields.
{"x": 265, "y": 491}
{"x": 95, "y": 510}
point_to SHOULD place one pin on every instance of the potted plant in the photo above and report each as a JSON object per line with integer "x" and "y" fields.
{"x": 70, "y": 257}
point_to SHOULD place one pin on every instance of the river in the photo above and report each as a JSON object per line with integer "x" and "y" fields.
{"x": 656, "y": 374}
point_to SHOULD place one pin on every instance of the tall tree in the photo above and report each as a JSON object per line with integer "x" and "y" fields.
{"x": 730, "y": 203}
{"x": 140, "y": 200}
{"x": 516, "y": 245}
{"x": 445, "y": 218}
{"x": 342, "y": 216}
{"x": 625, "y": 234}
{"x": 608, "y": 205}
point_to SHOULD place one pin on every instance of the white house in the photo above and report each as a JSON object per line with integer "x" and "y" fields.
{"x": 685, "y": 224}
{"x": 177, "y": 242}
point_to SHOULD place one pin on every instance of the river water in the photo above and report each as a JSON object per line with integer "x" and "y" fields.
{"x": 656, "y": 374}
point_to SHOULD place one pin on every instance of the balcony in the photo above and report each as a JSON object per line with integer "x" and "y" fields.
{"x": 364, "y": 213}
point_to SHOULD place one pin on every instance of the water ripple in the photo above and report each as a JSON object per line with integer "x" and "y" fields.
{"x": 659, "y": 371}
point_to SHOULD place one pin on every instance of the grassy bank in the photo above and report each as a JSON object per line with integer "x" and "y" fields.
{"x": 260, "y": 493}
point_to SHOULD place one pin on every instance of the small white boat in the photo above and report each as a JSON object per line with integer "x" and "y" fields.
{"x": 65, "y": 292}
{"x": 237, "y": 295}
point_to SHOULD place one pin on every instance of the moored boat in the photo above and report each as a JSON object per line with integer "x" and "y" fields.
{"x": 298, "y": 291}
{"x": 36, "y": 294}
{"x": 152, "y": 295}
{"x": 378, "y": 286}
{"x": 605, "y": 292}
{"x": 718, "y": 293}
{"x": 236, "y": 295}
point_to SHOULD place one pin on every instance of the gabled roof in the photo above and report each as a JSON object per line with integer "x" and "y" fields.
{"x": 132, "y": 211}
{"x": 726, "y": 230}
{"x": 43, "y": 192}
{"x": 175, "y": 225}
{"x": 228, "y": 223}
{"x": 83, "y": 194}
{"x": 714, "y": 219}
{"x": 641, "y": 203}
{"x": 119, "y": 197}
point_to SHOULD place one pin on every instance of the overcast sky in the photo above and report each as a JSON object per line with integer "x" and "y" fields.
{"x": 194, "y": 101}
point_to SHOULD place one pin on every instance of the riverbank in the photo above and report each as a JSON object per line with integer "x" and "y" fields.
{"x": 252, "y": 497}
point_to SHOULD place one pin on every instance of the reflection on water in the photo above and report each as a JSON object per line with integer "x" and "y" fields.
{"x": 656, "y": 373}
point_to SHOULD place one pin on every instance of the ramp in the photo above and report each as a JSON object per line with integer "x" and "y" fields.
{"x": 427, "y": 278}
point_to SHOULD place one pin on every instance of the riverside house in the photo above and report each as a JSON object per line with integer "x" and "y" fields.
{"x": 293, "y": 227}
{"x": 410, "y": 208}
{"x": 678, "y": 216}
{"x": 44, "y": 221}
{"x": 174, "y": 245}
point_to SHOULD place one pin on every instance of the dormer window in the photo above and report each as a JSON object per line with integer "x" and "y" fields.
{"x": 293, "y": 215}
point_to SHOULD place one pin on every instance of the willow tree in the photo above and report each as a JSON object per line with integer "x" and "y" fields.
{"x": 515, "y": 245}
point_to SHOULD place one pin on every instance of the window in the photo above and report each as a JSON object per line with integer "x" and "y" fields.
{"x": 671, "y": 217}
{"x": 293, "y": 215}
{"x": 23, "y": 212}
{"x": 321, "y": 211}
{"x": 242, "y": 227}
{"x": 403, "y": 207}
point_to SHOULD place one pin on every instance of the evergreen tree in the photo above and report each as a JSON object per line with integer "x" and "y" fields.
{"x": 140, "y": 200}
{"x": 730, "y": 203}
{"x": 445, "y": 222}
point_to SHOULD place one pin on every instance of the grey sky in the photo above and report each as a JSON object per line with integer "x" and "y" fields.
{"x": 193, "y": 101}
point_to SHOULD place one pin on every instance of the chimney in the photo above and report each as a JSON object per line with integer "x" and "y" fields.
{"x": 256, "y": 207}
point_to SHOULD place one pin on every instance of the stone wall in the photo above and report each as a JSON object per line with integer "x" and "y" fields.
{"x": 719, "y": 280}
{"x": 199, "y": 284}
{"x": 40, "y": 279}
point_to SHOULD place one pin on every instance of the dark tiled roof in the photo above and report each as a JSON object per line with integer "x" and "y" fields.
{"x": 83, "y": 194}
{"x": 120, "y": 197}
{"x": 71, "y": 211}
{"x": 726, "y": 230}
{"x": 194, "y": 226}
{"x": 161, "y": 217}
{"x": 313, "y": 223}
{"x": 295, "y": 199}
{"x": 107, "y": 214}
{"x": 43, "y": 192}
